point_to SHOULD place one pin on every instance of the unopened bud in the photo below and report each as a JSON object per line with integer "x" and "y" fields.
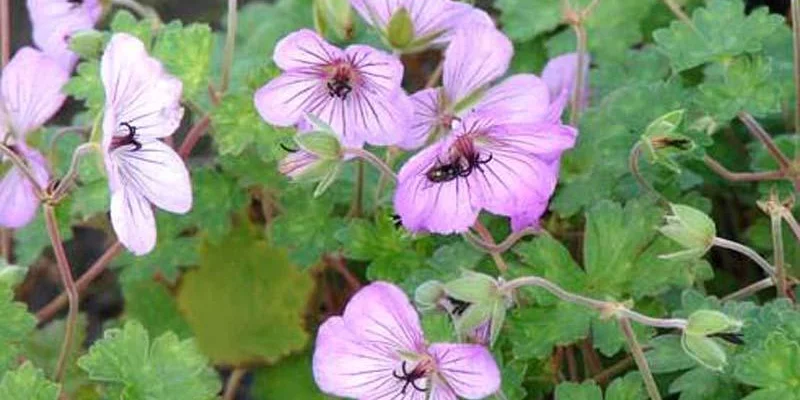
{"x": 705, "y": 351}
{"x": 400, "y": 30}
{"x": 709, "y": 322}
{"x": 690, "y": 228}
{"x": 333, "y": 15}
{"x": 428, "y": 295}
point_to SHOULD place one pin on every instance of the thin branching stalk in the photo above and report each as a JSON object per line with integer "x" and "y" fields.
{"x": 678, "y": 11}
{"x": 193, "y": 136}
{"x": 729, "y": 175}
{"x": 70, "y": 288}
{"x": 605, "y": 307}
{"x": 6, "y": 238}
{"x": 71, "y": 176}
{"x": 357, "y": 204}
{"x": 51, "y": 309}
{"x": 619, "y": 367}
{"x": 793, "y": 225}
{"x": 577, "y": 94}
{"x": 5, "y": 32}
{"x": 233, "y": 383}
{"x": 230, "y": 45}
{"x": 776, "y": 224}
{"x": 503, "y": 246}
{"x": 750, "y": 253}
{"x": 750, "y": 290}
{"x": 633, "y": 165}
{"x": 433, "y": 80}
{"x": 372, "y": 159}
{"x": 641, "y": 360}
{"x": 486, "y": 236}
{"x": 761, "y": 134}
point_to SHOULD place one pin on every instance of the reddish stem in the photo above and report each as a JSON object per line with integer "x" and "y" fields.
{"x": 194, "y": 136}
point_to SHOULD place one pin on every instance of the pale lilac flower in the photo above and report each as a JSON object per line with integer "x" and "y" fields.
{"x": 142, "y": 106}
{"x": 356, "y": 91}
{"x": 476, "y": 58}
{"x": 433, "y": 22}
{"x": 55, "y": 21}
{"x": 376, "y": 351}
{"x": 561, "y": 73}
{"x": 486, "y": 163}
{"x": 30, "y": 94}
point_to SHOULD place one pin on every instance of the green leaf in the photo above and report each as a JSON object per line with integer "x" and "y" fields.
{"x": 549, "y": 259}
{"x": 123, "y": 21}
{"x": 17, "y": 325}
{"x": 186, "y": 53}
{"x": 704, "y": 384}
{"x": 534, "y": 331}
{"x": 614, "y": 26}
{"x": 773, "y": 368}
{"x": 86, "y": 86}
{"x": 151, "y": 304}
{"x": 721, "y": 30}
{"x": 640, "y": 66}
{"x": 32, "y": 239}
{"x": 744, "y": 84}
{"x": 629, "y": 387}
{"x": 523, "y": 19}
{"x": 578, "y": 391}
{"x": 706, "y": 351}
{"x": 133, "y": 367}
{"x": 43, "y": 348}
{"x": 27, "y": 383}
{"x": 666, "y": 355}
{"x": 216, "y": 198}
{"x": 289, "y": 379}
{"x": 223, "y": 300}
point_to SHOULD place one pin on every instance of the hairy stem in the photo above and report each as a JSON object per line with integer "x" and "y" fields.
{"x": 633, "y": 165}
{"x": 759, "y": 133}
{"x": 678, "y": 11}
{"x": 6, "y": 238}
{"x": 776, "y": 223}
{"x": 5, "y": 32}
{"x": 51, "y": 309}
{"x": 233, "y": 383}
{"x": 372, "y": 159}
{"x": 357, "y": 204}
{"x": 230, "y": 45}
{"x": 742, "y": 176}
{"x": 641, "y": 360}
{"x": 193, "y": 136}
{"x": 71, "y": 176}
{"x": 622, "y": 365}
{"x": 602, "y": 306}
{"x": 487, "y": 237}
{"x": 793, "y": 225}
{"x": 69, "y": 287}
{"x": 750, "y": 253}
{"x": 751, "y": 289}
{"x": 503, "y": 246}
{"x": 577, "y": 94}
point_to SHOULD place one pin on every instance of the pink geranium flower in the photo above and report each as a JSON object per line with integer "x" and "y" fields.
{"x": 30, "y": 94}
{"x": 377, "y": 351}
{"x": 142, "y": 106}
{"x": 433, "y": 21}
{"x": 55, "y": 21}
{"x": 561, "y": 73}
{"x": 487, "y": 163}
{"x": 356, "y": 91}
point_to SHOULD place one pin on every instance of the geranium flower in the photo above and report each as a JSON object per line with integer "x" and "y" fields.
{"x": 377, "y": 351}
{"x": 30, "y": 94}
{"x": 55, "y": 21}
{"x": 561, "y": 73}
{"x": 433, "y": 22}
{"x": 476, "y": 58}
{"x": 486, "y": 163}
{"x": 142, "y": 106}
{"x": 356, "y": 91}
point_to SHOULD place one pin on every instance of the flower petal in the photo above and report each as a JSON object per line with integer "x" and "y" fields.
{"x": 377, "y": 12}
{"x": 520, "y": 98}
{"x": 545, "y": 140}
{"x": 133, "y": 220}
{"x": 303, "y": 49}
{"x": 476, "y": 57}
{"x": 528, "y": 216}
{"x": 138, "y": 90}
{"x": 18, "y": 201}
{"x": 438, "y": 207}
{"x": 55, "y": 21}
{"x": 469, "y": 370}
{"x": 31, "y": 90}
{"x": 284, "y": 100}
{"x": 561, "y": 73}
{"x": 379, "y": 72}
{"x": 427, "y": 114}
{"x": 157, "y": 173}
{"x": 458, "y": 15}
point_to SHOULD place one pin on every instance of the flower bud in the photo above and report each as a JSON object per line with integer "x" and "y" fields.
{"x": 690, "y": 228}
{"x": 334, "y": 15}
{"x": 428, "y": 295}
{"x": 705, "y": 351}
{"x": 12, "y": 275}
{"x": 320, "y": 143}
{"x": 473, "y": 287}
{"x": 88, "y": 44}
{"x": 662, "y": 141}
{"x": 480, "y": 307}
{"x": 709, "y": 322}
{"x": 400, "y": 31}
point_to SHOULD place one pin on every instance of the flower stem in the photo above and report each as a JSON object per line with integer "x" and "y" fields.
{"x": 356, "y": 206}
{"x": 193, "y": 136}
{"x": 778, "y": 256}
{"x": 69, "y": 178}
{"x": 750, "y": 253}
{"x": 372, "y": 159}
{"x": 641, "y": 360}
{"x": 678, "y": 11}
{"x": 69, "y": 286}
{"x": 751, "y": 289}
{"x": 622, "y": 365}
{"x": 602, "y": 306}
{"x": 51, "y": 309}
{"x": 577, "y": 94}
{"x": 233, "y": 383}
{"x": 435, "y": 75}
{"x": 6, "y": 238}
{"x": 503, "y": 246}
{"x": 5, "y": 32}
{"x": 742, "y": 176}
{"x": 230, "y": 45}
{"x": 487, "y": 237}
{"x": 796, "y": 35}
{"x": 633, "y": 165}
{"x": 759, "y": 133}
{"x": 23, "y": 167}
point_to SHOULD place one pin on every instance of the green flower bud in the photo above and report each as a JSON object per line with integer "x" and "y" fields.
{"x": 705, "y": 351}
{"x": 333, "y": 15}
{"x": 690, "y": 228}
{"x": 482, "y": 320}
{"x": 708, "y": 322}
{"x": 88, "y": 44}
{"x": 400, "y": 31}
{"x": 474, "y": 287}
{"x": 322, "y": 144}
{"x": 662, "y": 141}
{"x": 428, "y": 295}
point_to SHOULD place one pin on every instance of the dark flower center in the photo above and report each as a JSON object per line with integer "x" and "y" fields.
{"x": 421, "y": 371}
{"x": 463, "y": 160}
{"x": 340, "y": 84}
{"x": 128, "y": 139}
